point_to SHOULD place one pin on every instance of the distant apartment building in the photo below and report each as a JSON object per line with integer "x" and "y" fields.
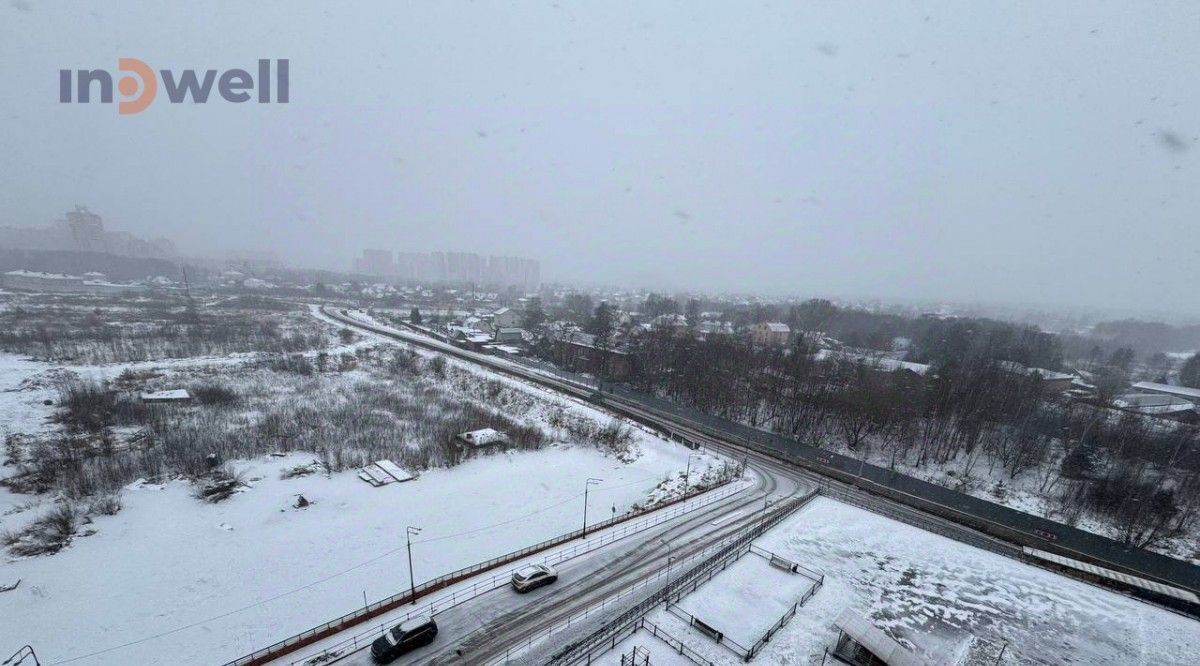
{"x": 461, "y": 268}
{"x": 375, "y": 262}
{"x": 81, "y": 230}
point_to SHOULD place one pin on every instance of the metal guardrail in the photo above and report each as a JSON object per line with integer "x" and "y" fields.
{"x": 332, "y": 653}
{"x": 712, "y": 632}
{"x": 687, "y": 586}
{"x": 361, "y": 615}
{"x": 995, "y": 520}
{"x": 788, "y": 615}
{"x": 677, "y": 645}
{"x": 715, "y": 556}
{"x": 638, "y": 657}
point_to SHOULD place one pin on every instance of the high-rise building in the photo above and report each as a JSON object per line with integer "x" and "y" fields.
{"x": 376, "y": 262}
{"x": 459, "y": 268}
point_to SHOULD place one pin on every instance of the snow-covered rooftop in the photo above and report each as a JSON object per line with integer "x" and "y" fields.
{"x": 483, "y": 437}
{"x": 1046, "y": 375}
{"x": 878, "y": 643}
{"x": 43, "y": 276}
{"x": 879, "y": 362}
{"x": 1149, "y": 400}
{"x": 1181, "y": 391}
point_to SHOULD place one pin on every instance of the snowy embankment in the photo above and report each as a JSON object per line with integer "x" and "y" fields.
{"x": 167, "y": 561}
{"x": 173, "y": 579}
{"x": 936, "y": 595}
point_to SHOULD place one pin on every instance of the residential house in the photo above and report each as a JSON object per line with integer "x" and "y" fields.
{"x": 507, "y": 318}
{"x": 1052, "y": 381}
{"x": 770, "y": 334}
{"x": 577, "y": 351}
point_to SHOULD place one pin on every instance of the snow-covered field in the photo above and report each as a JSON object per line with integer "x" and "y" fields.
{"x": 935, "y": 594}
{"x": 171, "y": 579}
{"x": 168, "y": 561}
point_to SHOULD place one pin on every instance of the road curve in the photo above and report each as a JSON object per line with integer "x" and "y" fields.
{"x": 483, "y": 630}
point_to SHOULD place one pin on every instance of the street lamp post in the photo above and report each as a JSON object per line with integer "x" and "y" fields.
{"x": 766, "y": 505}
{"x": 669, "y": 558}
{"x": 586, "y": 486}
{"x": 412, "y": 582}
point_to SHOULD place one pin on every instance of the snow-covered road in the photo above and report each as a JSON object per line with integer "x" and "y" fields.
{"x": 473, "y": 631}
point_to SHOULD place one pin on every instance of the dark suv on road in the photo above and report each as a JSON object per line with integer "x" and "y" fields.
{"x": 404, "y": 637}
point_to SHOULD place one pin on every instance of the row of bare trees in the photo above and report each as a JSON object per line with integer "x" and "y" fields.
{"x": 969, "y": 413}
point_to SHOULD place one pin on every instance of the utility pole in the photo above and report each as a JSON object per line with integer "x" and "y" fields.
{"x": 669, "y": 558}
{"x": 687, "y": 477}
{"x": 412, "y": 582}
{"x": 590, "y": 483}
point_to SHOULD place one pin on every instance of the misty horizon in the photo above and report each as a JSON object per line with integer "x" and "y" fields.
{"x": 1029, "y": 156}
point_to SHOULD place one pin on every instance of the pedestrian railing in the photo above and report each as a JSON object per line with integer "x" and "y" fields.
{"x": 707, "y": 560}
{"x": 677, "y": 645}
{"x": 658, "y": 514}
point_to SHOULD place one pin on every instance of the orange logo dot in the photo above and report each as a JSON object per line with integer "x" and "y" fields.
{"x": 128, "y": 86}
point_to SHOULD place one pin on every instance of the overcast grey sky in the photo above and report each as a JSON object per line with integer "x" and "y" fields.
{"x": 1033, "y": 152}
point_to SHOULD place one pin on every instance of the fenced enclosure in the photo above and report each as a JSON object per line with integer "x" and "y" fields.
{"x": 719, "y": 634}
{"x": 608, "y": 635}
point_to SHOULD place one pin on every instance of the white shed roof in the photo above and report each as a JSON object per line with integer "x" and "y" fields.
{"x": 871, "y": 637}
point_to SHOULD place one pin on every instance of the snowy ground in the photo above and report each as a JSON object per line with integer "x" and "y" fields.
{"x": 746, "y": 599}
{"x": 936, "y": 594}
{"x": 1032, "y": 492}
{"x": 204, "y": 583}
{"x": 167, "y": 561}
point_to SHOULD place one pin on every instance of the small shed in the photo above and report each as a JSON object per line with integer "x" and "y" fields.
{"x": 863, "y": 644}
{"x": 483, "y": 437}
{"x": 171, "y": 395}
